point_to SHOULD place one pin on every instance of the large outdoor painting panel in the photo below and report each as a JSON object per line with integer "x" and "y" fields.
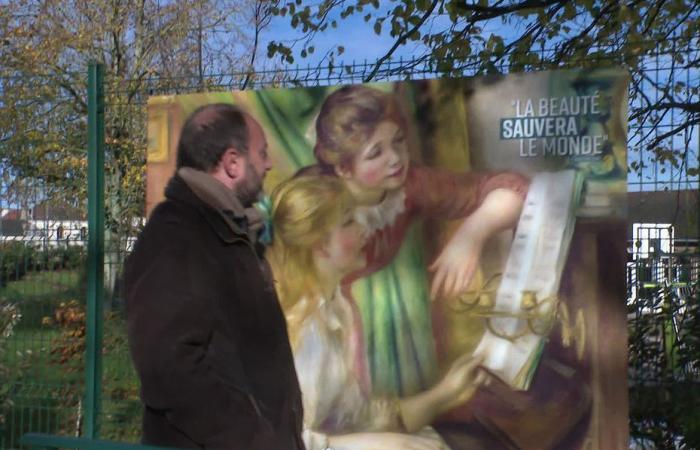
{"x": 543, "y": 308}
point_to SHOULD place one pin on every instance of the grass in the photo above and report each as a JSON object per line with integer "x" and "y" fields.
{"x": 28, "y": 350}
{"x": 42, "y": 284}
{"x": 45, "y": 393}
{"x": 39, "y": 293}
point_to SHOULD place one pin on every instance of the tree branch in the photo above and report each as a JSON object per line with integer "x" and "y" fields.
{"x": 673, "y": 29}
{"x": 571, "y": 43}
{"x": 489, "y": 12}
{"x": 259, "y": 18}
{"x": 531, "y": 29}
{"x": 401, "y": 40}
{"x": 687, "y": 107}
{"x": 653, "y": 17}
{"x": 657, "y": 140}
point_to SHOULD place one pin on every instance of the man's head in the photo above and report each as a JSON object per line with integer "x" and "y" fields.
{"x": 228, "y": 144}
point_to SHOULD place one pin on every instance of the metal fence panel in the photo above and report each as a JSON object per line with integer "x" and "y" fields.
{"x": 43, "y": 244}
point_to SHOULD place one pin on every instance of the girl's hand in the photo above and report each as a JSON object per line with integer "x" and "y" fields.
{"x": 456, "y": 265}
{"x": 387, "y": 441}
{"x": 461, "y": 382}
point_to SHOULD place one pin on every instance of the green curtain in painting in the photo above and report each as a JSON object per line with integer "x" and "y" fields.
{"x": 395, "y": 311}
{"x": 393, "y": 302}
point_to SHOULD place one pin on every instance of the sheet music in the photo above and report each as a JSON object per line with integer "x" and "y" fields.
{"x": 535, "y": 264}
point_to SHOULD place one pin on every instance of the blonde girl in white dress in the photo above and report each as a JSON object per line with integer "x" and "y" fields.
{"x": 316, "y": 244}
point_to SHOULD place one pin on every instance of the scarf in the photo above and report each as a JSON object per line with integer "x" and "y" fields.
{"x": 211, "y": 191}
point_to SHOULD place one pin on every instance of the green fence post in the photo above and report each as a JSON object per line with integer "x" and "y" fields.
{"x": 95, "y": 275}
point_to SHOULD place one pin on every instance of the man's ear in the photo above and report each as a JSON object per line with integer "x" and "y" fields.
{"x": 343, "y": 171}
{"x": 233, "y": 163}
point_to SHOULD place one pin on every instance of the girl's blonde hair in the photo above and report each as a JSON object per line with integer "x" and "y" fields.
{"x": 348, "y": 118}
{"x": 304, "y": 211}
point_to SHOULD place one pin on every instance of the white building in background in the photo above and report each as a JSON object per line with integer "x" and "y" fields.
{"x": 44, "y": 225}
{"x": 50, "y": 226}
{"x": 651, "y": 239}
{"x": 662, "y": 243}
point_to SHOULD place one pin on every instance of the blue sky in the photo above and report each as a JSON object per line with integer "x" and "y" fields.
{"x": 362, "y": 44}
{"x": 356, "y": 35}
{"x": 353, "y": 33}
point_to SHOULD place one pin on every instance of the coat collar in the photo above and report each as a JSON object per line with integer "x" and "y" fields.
{"x": 227, "y": 226}
{"x": 211, "y": 191}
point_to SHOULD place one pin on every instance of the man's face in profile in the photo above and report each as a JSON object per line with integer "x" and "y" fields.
{"x": 257, "y": 164}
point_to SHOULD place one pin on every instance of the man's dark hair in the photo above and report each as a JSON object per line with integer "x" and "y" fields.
{"x": 208, "y": 132}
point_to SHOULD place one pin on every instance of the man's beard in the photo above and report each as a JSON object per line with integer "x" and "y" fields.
{"x": 248, "y": 191}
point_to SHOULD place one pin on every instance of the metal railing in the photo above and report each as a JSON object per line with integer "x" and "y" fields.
{"x": 54, "y": 353}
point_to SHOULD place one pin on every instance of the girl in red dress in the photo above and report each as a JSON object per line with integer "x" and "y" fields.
{"x": 361, "y": 138}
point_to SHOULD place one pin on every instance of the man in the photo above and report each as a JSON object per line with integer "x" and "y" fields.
{"x": 206, "y": 331}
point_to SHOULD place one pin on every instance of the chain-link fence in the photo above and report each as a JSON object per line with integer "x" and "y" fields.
{"x": 43, "y": 232}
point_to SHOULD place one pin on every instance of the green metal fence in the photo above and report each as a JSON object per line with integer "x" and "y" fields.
{"x": 42, "y": 270}
{"x": 68, "y": 370}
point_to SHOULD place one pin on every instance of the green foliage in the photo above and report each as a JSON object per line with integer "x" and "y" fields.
{"x": 9, "y": 316}
{"x": 17, "y": 259}
{"x": 573, "y": 29}
{"x": 484, "y": 37}
{"x": 122, "y": 409}
{"x": 478, "y": 37}
{"x": 68, "y": 348}
{"x": 44, "y": 396}
{"x": 47, "y": 377}
{"x": 65, "y": 257}
{"x": 664, "y": 356}
{"x": 121, "y": 412}
{"x": 38, "y": 293}
{"x": 144, "y": 47}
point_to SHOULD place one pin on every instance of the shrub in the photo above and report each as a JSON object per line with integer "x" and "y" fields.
{"x": 69, "y": 348}
{"x": 74, "y": 257}
{"x": 16, "y": 259}
{"x": 121, "y": 412}
{"x": 9, "y": 316}
{"x": 60, "y": 257}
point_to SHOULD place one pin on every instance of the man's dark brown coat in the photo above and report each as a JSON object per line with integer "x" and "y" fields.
{"x": 207, "y": 334}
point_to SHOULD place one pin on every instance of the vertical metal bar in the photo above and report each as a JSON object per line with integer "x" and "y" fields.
{"x": 30, "y": 412}
{"x": 93, "y": 359}
{"x": 22, "y": 413}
